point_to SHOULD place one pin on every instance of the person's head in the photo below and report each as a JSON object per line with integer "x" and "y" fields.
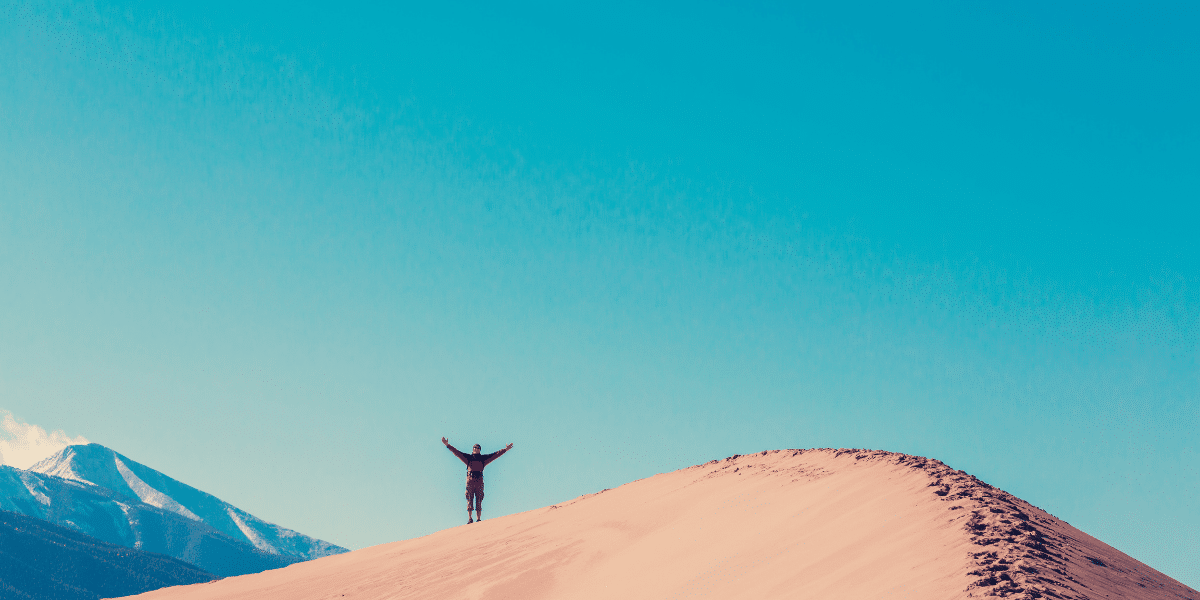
{"x": 475, "y": 449}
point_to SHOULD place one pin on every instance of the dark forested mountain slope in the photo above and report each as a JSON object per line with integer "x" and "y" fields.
{"x": 43, "y": 561}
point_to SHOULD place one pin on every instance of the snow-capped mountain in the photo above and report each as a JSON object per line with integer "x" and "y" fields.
{"x": 105, "y": 494}
{"x": 100, "y": 466}
{"x": 116, "y": 519}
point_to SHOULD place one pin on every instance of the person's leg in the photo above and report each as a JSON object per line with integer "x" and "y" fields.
{"x": 469, "y": 494}
{"x": 479, "y": 502}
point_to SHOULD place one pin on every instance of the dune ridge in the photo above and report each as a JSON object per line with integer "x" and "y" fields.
{"x": 1025, "y": 552}
{"x": 822, "y": 523}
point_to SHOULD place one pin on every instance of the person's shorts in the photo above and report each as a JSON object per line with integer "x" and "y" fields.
{"x": 474, "y": 490}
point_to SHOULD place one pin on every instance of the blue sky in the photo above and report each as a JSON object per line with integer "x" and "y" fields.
{"x": 277, "y": 250}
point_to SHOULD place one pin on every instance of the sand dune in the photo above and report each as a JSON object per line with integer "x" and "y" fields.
{"x": 841, "y": 524}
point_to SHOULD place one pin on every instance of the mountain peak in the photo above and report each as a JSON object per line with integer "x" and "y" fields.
{"x": 62, "y": 464}
{"x": 97, "y": 465}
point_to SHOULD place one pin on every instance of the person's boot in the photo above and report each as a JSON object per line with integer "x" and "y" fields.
{"x": 469, "y": 519}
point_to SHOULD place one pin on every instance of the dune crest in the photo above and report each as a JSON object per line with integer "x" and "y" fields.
{"x": 778, "y": 524}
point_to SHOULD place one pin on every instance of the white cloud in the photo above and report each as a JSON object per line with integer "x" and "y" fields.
{"x": 22, "y": 444}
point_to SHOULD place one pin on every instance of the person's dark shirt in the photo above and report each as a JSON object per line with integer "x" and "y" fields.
{"x": 476, "y": 462}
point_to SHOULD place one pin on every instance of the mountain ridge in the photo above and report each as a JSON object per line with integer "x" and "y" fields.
{"x": 104, "y": 494}
{"x": 113, "y": 518}
{"x": 101, "y": 466}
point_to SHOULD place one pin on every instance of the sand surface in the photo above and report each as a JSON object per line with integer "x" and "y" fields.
{"x": 837, "y": 524}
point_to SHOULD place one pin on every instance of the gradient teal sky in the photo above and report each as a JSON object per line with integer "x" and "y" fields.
{"x": 277, "y": 250}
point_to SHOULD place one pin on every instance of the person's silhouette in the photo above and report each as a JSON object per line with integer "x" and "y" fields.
{"x": 475, "y": 463}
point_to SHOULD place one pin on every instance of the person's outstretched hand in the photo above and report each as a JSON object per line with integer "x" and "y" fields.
{"x": 445, "y": 441}
{"x": 508, "y": 447}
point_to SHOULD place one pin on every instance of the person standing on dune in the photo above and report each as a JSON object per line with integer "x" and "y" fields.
{"x": 475, "y": 463}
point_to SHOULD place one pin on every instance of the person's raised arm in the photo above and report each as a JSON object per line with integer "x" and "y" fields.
{"x": 495, "y": 455}
{"x": 460, "y": 455}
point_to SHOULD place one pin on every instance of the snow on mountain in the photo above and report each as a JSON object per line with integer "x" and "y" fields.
{"x": 150, "y": 495}
{"x": 99, "y": 466}
{"x": 111, "y": 517}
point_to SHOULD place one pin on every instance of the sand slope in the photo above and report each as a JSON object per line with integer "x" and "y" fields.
{"x": 839, "y": 524}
